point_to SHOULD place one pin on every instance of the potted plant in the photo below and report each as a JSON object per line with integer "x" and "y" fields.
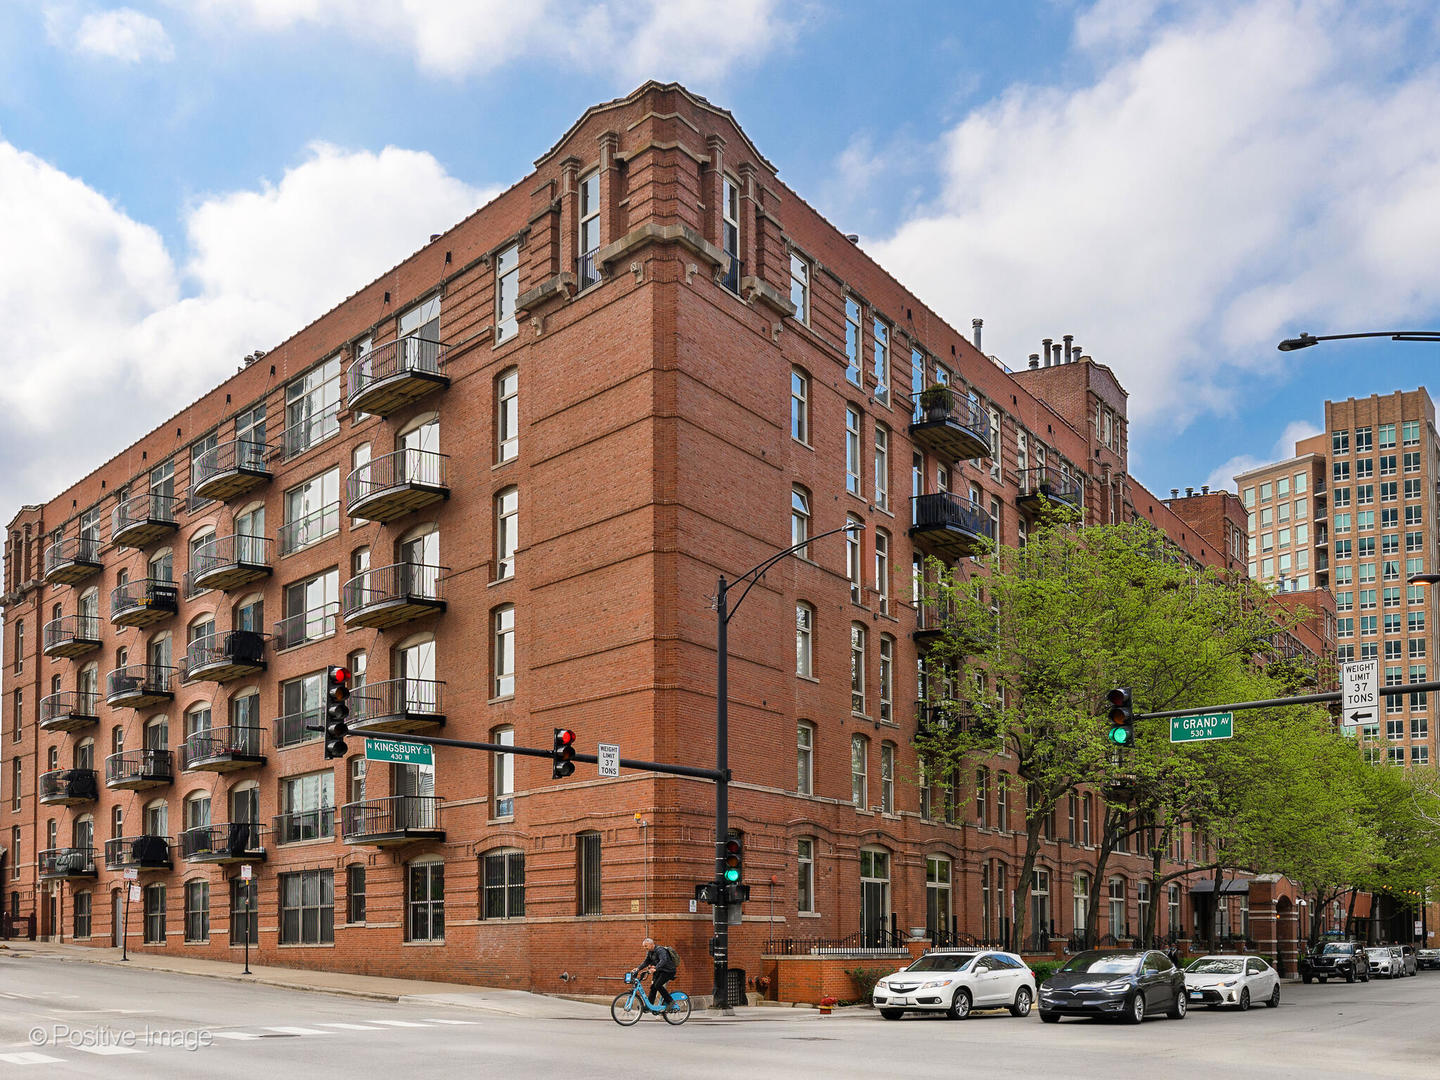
{"x": 937, "y": 401}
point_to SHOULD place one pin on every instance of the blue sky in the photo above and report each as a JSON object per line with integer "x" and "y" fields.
{"x": 1178, "y": 184}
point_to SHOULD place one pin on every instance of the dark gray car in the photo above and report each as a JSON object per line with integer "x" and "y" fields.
{"x": 1126, "y": 983}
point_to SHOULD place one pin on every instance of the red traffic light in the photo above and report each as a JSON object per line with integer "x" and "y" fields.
{"x": 339, "y": 674}
{"x": 564, "y": 737}
{"x": 1118, "y": 697}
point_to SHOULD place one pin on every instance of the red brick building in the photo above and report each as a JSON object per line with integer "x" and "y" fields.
{"x": 499, "y": 483}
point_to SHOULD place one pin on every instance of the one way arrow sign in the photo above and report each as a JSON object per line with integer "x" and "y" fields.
{"x": 1359, "y": 692}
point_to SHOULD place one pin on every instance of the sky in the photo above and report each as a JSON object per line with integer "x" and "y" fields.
{"x": 1178, "y": 184}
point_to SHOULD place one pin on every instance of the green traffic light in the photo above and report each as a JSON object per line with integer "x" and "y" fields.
{"x": 1119, "y": 736}
{"x": 732, "y": 875}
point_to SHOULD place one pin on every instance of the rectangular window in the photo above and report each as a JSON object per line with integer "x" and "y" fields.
{"x": 882, "y": 570}
{"x": 587, "y": 273}
{"x": 1340, "y": 442}
{"x": 312, "y": 404}
{"x": 504, "y": 885}
{"x": 887, "y": 678}
{"x": 882, "y": 467}
{"x": 881, "y": 369}
{"x": 507, "y": 532}
{"x": 804, "y": 758}
{"x": 503, "y": 789}
{"x": 857, "y": 669}
{"x": 1387, "y": 465}
{"x": 197, "y": 911}
{"x": 154, "y": 914}
{"x": 859, "y": 753}
{"x": 244, "y": 911}
{"x": 799, "y": 406}
{"x": 1341, "y": 470}
{"x": 502, "y": 654}
{"x": 507, "y": 293}
{"x": 852, "y": 449}
{"x": 80, "y": 902}
{"x": 307, "y": 908}
{"x": 852, "y": 560}
{"x": 800, "y": 287}
{"x": 425, "y": 902}
{"x": 804, "y": 629}
{"x": 312, "y": 512}
{"x": 852, "y": 340}
{"x": 507, "y": 416}
{"x": 300, "y": 701}
{"x": 307, "y": 808}
{"x": 1387, "y": 436}
{"x": 355, "y": 893}
{"x": 730, "y": 232}
{"x": 805, "y": 886}
{"x": 310, "y": 608}
{"x": 1412, "y": 461}
{"x": 587, "y": 859}
{"x": 887, "y": 778}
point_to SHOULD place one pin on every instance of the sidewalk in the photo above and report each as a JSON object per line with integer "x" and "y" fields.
{"x": 518, "y": 1003}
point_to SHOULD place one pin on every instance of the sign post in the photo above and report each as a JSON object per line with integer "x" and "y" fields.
{"x": 609, "y": 755}
{"x": 1184, "y": 729}
{"x": 1359, "y": 692}
{"x": 247, "y": 873}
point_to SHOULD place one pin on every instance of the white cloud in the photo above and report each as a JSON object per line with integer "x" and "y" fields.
{"x": 633, "y": 39}
{"x": 1224, "y": 180}
{"x": 122, "y": 34}
{"x": 1223, "y": 476}
{"x": 98, "y": 312}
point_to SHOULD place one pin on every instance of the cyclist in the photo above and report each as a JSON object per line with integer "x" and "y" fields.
{"x": 660, "y": 963}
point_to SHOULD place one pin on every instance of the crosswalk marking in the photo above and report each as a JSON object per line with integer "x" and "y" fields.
{"x": 351, "y": 1027}
{"x": 437, "y": 1020}
{"x": 234, "y": 1035}
{"x": 104, "y": 1050}
{"x": 29, "y": 1058}
{"x": 299, "y": 1031}
{"x": 400, "y": 1023}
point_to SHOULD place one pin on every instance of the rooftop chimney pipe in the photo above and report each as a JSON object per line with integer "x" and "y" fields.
{"x": 1034, "y": 360}
{"x": 975, "y": 325}
{"x": 1056, "y": 347}
{"x": 1204, "y": 489}
{"x": 1068, "y": 339}
{"x": 1174, "y": 493}
{"x": 1045, "y": 351}
{"x": 1189, "y": 491}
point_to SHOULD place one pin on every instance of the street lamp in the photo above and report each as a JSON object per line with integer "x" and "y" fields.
{"x": 720, "y": 946}
{"x": 1304, "y": 341}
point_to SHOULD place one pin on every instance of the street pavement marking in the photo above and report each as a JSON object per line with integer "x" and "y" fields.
{"x": 29, "y": 1059}
{"x": 436, "y": 1020}
{"x": 350, "y": 1027}
{"x": 299, "y": 1031}
{"x": 234, "y": 1035}
{"x": 400, "y": 1023}
{"x": 104, "y": 1050}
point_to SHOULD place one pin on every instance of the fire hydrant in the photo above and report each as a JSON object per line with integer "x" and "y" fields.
{"x": 826, "y": 1003}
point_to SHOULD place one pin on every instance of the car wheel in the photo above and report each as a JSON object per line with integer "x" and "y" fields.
{"x": 1136, "y": 1013}
{"x": 1023, "y": 1000}
{"x": 1177, "y": 1010}
{"x": 892, "y": 1014}
{"x": 1324, "y": 980}
{"x": 1350, "y": 978}
{"x": 1274, "y": 1000}
{"x": 1049, "y": 1017}
{"x": 959, "y": 1005}
{"x": 1245, "y": 999}
{"x": 1305, "y": 979}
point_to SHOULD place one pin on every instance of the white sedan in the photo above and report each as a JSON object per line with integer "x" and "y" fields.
{"x": 955, "y": 981}
{"x": 1383, "y": 962}
{"x": 1232, "y": 980}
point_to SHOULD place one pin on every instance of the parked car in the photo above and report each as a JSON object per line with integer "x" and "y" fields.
{"x": 957, "y": 981}
{"x": 1383, "y": 961}
{"x": 1232, "y": 980}
{"x": 1427, "y": 958}
{"x": 1128, "y": 983}
{"x": 1407, "y": 959}
{"x": 1335, "y": 960}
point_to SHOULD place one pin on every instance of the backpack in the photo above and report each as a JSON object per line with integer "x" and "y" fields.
{"x": 674, "y": 957}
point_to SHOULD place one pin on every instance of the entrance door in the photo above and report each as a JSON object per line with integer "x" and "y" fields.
{"x": 117, "y": 918}
{"x": 874, "y": 897}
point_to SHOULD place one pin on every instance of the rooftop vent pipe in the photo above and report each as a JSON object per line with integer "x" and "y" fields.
{"x": 975, "y": 325}
{"x": 1034, "y": 360}
{"x": 1069, "y": 338}
{"x": 1045, "y": 351}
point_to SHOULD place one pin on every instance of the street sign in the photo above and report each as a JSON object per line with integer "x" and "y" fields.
{"x": 609, "y": 755}
{"x": 403, "y": 753}
{"x": 1359, "y": 692}
{"x": 246, "y": 872}
{"x": 132, "y": 874}
{"x": 134, "y": 893}
{"x": 694, "y": 907}
{"x": 1220, "y": 725}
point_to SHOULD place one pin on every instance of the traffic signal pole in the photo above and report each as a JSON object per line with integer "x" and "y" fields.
{"x": 720, "y": 912}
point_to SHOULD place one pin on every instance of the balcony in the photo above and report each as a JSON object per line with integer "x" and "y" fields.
{"x": 949, "y": 526}
{"x": 69, "y": 710}
{"x": 396, "y": 706}
{"x": 228, "y": 562}
{"x": 950, "y": 425}
{"x": 306, "y": 626}
{"x": 931, "y": 622}
{"x": 62, "y": 863}
{"x": 70, "y": 635}
{"x": 295, "y": 728}
{"x": 138, "y": 685}
{"x": 301, "y": 825}
{"x": 400, "y": 819}
{"x": 143, "y": 602}
{"x": 395, "y": 484}
{"x": 143, "y": 519}
{"x": 141, "y": 852}
{"x": 311, "y": 431}
{"x": 69, "y": 787}
{"x": 1322, "y": 538}
{"x": 231, "y": 469}
{"x": 222, "y": 657}
{"x": 389, "y": 595}
{"x": 586, "y": 272}
{"x": 239, "y": 841}
{"x": 72, "y": 560}
{"x": 391, "y": 376}
{"x": 224, "y": 749}
{"x": 1043, "y": 486}
{"x": 137, "y": 770}
{"x": 315, "y": 526}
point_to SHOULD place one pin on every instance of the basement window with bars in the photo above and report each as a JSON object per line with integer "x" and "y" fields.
{"x": 587, "y": 858}
{"x": 504, "y": 876}
{"x": 355, "y": 892}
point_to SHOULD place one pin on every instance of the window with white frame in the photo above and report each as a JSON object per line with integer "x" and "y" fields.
{"x": 588, "y": 234}
{"x": 887, "y": 678}
{"x": 881, "y": 368}
{"x": 504, "y": 774}
{"x": 507, "y": 415}
{"x": 852, "y": 340}
{"x": 887, "y": 777}
{"x": 857, "y": 668}
{"x": 312, "y": 512}
{"x": 425, "y": 901}
{"x": 504, "y": 884}
{"x": 730, "y": 231}
{"x": 799, "y": 406}
{"x": 882, "y": 569}
{"x": 853, "y": 559}
{"x": 859, "y": 771}
{"x": 805, "y": 758}
{"x": 882, "y": 466}
{"x": 800, "y": 287}
{"x": 507, "y": 293}
{"x": 312, "y": 405}
{"x": 507, "y": 522}
{"x": 804, "y": 640}
{"x": 502, "y": 651}
{"x": 852, "y": 449}
{"x": 800, "y": 519}
{"x": 805, "y": 873}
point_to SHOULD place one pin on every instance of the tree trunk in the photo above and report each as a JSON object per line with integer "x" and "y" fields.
{"x": 1317, "y": 918}
{"x": 1152, "y": 915}
{"x": 1350, "y": 915}
{"x": 1219, "y": 880}
{"x": 1107, "y": 845}
{"x": 1033, "y": 826}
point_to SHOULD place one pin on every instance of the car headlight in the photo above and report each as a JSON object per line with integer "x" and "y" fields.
{"x": 882, "y": 985}
{"x": 1115, "y": 987}
{"x": 1229, "y": 982}
{"x": 934, "y": 983}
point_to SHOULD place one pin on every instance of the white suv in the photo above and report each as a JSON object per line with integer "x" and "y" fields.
{"x": 955, "y": 981}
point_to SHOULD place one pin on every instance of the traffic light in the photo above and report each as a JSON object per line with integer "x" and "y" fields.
{"x": 734, "y": 856}
{"x": 337, "y": 710}
{"x": 1121, "y": 711}
{"x": 563, "y": 754}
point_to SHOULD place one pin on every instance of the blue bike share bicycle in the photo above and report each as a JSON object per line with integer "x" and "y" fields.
{"x": 630, "y": 1005}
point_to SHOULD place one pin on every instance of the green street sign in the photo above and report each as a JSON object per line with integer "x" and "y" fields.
{"x": 1220, "y": 725}
{"x": 404, "y": 753}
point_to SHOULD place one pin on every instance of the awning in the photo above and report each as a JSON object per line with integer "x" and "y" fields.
{"x": 1226, "y": 887}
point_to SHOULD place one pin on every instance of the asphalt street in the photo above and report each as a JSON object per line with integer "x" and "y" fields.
{"x": 66, "y": 1019}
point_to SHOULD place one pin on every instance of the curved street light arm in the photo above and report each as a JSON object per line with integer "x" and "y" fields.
{"x": 753, "y": 575}
{"x": 1304, "y": 341}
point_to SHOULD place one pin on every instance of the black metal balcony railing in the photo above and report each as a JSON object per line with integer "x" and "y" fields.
{"x": 1043, "y": 484}
{"x": 310, "y": 529}
{"x": 229, "y": 561}
{"x": 951, "y": 424}
{"x": 143, "y": 519}
{"x": 145, "y": 852}
{"x": 144, "y": 602}
{"x": 299, "y": 437}
{"x": 730, "y": 278}
{"x": 394, "y": 374}
{"x": 139, "y": 684}
{"x": 394, "y": 819}
{"x": 230, "y": 469}
{"x": 949, "y": 525}
{"x": 586, "y": 272}
{"x": 223, "y": 749}
{"x": 388, "y": 595}
{"x": 68, "y": 862}
{"x": 69, "y": 787}
{"x": 137, "y": 769}
{"x": 72, "y": 559}
{"x": 226, "y": 656}
{"x": 71, "y": 635}
{"x": 295, "y": 728}
{"x": 397, "y": 705}
{"x": 306, "y": 626}
{"x": 69, "y": 710}
{"x": 397, "y": 483}
{"x": 299, "y": 825}
{"x": 234, "y": 842}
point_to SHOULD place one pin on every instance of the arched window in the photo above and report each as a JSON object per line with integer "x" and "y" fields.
{"x": 507, "y": 518}
{"x": 88, "y": 608}
{"x": 157, "y": 818}
{"x": 117, "y": 739}
{"x": 161, "y": 566}
{"x": 244, "y": 799}
{"x": 420, "y": 546}
{"x": 937, "y": 896}
{"x": 805, "y": 886}
{"x": 197, "y": 810}
{"x": 1040, "y": 917}
{"x": 157, "y": 733}
{"x": 800, "y": 519}
{"x": 82, "y": 832}
{"x": 874, "y": 896}
{"x": 88, "y": 685}
{"x": 249, "y": 614}
{"x": 804, "y": 640}
{"x": 52, "y": 759}
{"x": 157, "y": 652}
{"x": 800, "y": 405}
{"x": 85, "y": 754}
{"x": 420, "y": 437}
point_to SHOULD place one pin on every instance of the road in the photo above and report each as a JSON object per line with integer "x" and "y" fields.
{"x": 92, "y": 1021}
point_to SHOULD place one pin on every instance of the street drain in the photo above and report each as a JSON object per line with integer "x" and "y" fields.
{"x": 281, "y": 1035}
{"x": 809, "y": 1038}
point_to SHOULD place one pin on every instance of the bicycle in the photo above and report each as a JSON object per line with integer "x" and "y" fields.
{"x": 630, "y": 1005}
